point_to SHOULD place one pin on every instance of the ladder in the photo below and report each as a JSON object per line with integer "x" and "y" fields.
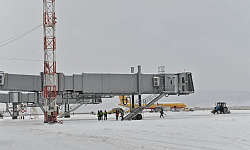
{"x": 150, "y": 100}
{"x": 41, "y": 103}
{"x": 72, "y": 108}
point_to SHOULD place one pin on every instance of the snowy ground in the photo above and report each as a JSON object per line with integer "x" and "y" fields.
{"x": 198, "y": 130}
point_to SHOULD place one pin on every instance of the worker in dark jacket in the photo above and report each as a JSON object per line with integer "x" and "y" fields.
{"x": 105, "y": 115}
{"x": 161, "y": 113}
{"x": 122, "y": 114}
{"x": 116, "y": 114}
{"x": 98, "y": 115}
{"x": 101, "y": 114}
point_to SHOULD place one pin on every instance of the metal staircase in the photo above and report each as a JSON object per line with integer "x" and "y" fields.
{"x": 33, "y": 113}
{"x": 150, "y": 100}
{"x": 40, "y": 102}
{"x": 7, "y": 109}
{"x": 72, "y": 108}
{"x": 127, "y": 110}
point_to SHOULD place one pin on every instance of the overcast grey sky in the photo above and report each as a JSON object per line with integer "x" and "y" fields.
{"x": 210, "y": 38}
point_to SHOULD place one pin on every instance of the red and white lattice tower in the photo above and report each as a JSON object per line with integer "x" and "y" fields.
{"x": 49, "y": 82}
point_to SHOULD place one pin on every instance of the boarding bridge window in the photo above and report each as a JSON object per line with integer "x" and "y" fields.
{"x": 156, "y": 81}
{"x": 183, "y": 80}
{"x": 171, "y": 79}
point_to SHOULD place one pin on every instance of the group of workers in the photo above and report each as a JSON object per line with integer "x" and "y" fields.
{"x": 117, "y": 114}
{"x": 102, "y": 115}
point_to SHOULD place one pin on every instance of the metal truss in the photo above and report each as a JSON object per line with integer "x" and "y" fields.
{"x": 49, "y": 26}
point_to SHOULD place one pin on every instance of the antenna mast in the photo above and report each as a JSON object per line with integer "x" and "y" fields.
{"x": 49, "y": 78}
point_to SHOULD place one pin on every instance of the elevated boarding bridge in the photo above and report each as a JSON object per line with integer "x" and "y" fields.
{"x": 91, "y": 88}
{"x": 103, "y": 84}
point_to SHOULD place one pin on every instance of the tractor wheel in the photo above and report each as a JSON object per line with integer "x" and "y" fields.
{"x": 213, "y": 111}
{"x": 225, "y": 110}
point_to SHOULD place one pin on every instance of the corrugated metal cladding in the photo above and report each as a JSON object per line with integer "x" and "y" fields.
{"x": 147, "y": 83}
{"x": 18, "y": 97}
{"x": 21, "y": 82}
{"x": 29, "y": 97}
{"x": 4, "y": 98}
{"x": 102, "y": 83}
{"x": 68, "y": 83}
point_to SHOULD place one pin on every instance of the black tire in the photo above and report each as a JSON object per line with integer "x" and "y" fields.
{"x": 213, "y": 111}
{"x": 139, "y": 117}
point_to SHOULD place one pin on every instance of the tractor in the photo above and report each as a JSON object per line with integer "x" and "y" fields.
{"x": 221, "y": 108}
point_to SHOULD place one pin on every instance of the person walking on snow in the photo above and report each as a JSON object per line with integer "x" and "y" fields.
{"x": 161, "y": 113}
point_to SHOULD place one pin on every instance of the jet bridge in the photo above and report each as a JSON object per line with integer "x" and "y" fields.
{"x": 89, "y": 88}
{"x": 103, "y": 84}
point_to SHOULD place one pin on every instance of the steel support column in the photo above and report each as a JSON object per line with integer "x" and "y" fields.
{"x": 139, "y": 85}
{"x": 133, "y": 102}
